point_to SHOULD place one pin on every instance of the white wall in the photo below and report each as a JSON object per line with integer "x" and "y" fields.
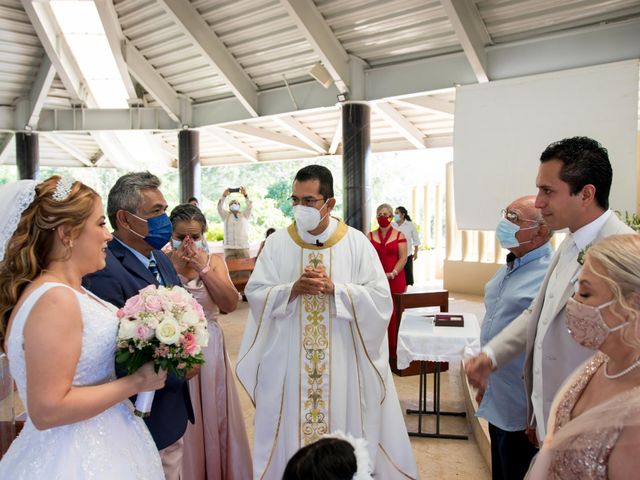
{"x": 502, "y": 127}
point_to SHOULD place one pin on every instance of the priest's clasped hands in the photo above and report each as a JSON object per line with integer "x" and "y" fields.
{"x": 313, "y": 281}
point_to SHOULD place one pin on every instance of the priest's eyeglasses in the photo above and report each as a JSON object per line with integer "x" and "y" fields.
{"x": 514, "y": 217}
{"x": 306, "y": 201}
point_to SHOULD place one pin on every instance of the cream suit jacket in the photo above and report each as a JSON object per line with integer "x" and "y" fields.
{"x": 520, "y": 335}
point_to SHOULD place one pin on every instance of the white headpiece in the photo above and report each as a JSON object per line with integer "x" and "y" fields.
{"x": 359, "y": 445}
{"x": 15, "y": 198}
{"x": 63, "y": 188}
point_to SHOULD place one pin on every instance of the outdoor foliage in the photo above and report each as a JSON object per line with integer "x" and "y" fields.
{"x": 268, "y": 184}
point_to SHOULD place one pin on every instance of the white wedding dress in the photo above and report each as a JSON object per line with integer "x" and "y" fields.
{"x": 112, "y": 445}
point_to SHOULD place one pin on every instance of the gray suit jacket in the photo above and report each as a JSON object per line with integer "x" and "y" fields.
{"x": 520, "y": 335}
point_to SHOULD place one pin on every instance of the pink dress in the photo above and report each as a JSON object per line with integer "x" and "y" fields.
{"x": 216, "y": 447}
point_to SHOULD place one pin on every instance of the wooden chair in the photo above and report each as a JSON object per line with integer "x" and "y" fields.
{"x": 244, "y": 267}
{"x": 415, "y": 299}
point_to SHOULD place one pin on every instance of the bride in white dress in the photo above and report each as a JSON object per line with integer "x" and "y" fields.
{"x": 61, "y": 342}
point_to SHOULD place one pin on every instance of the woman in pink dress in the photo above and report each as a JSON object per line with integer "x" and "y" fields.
{"x": 391, "y": 246}
{"x": 594, "y": 424}
{"x": 216, "y": 447}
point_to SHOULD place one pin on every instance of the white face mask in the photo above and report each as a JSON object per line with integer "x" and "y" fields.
{"x": 199, "y": 244}
{"x": 308, "y": 218}
{"x": 234, "y": 207}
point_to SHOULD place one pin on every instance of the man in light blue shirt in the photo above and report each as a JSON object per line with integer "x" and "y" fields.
{"x": 523, "y": 232}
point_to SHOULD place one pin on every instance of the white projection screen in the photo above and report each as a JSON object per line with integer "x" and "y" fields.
{"x": 502, "y": 127}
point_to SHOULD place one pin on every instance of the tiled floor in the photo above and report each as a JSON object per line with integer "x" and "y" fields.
{"x": 437, "y": 458}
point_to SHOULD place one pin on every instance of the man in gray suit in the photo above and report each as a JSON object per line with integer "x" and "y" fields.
{"x": 574, "y": 179}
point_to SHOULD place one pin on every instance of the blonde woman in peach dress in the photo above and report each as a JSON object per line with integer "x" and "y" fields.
{"x": 594, "y": 426}
{"x": 216, "y": 447}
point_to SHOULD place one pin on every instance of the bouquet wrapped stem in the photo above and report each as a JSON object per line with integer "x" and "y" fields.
{"x": 144, "y": 400}
{"x": 163, "y": 325}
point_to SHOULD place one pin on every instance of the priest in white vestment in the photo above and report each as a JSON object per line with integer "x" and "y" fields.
{"x": 314, "y": 357}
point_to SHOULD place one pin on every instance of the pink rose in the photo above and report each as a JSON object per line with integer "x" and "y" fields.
{"x": 148, "y": 288}
{"x": 198, "y": 308}
{"x": 178, "y": 299}
{"x": 143, "y": 332}
{"x": 133, "y": 306}
{"x": 153, "y": 304}
{"x": 189, "y": 343}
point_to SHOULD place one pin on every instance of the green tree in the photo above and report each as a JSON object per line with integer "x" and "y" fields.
{"x": 280, "y": 191}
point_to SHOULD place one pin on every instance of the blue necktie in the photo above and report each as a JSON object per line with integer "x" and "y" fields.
{"x": 153, "y": 268}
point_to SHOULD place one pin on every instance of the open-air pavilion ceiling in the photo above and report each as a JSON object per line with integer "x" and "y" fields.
{"x": 238, "y": 71}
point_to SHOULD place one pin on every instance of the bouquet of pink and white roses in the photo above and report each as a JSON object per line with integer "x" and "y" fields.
{"x": 163, "y": 325}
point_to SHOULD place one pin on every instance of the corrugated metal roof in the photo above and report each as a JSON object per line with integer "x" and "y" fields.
{"x": 377, "y": 31}
{"x": 511, "y": 19}
{"x": 20, "y": 52}
{"x": 268, "y": 45}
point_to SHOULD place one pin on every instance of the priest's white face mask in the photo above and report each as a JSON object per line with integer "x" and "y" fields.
{"x": 308, "y": 218}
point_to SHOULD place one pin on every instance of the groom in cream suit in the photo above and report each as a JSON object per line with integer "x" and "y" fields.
{"x": 574, "y": 179}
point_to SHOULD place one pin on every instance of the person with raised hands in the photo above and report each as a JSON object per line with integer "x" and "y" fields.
{"x": 216, "y": 445}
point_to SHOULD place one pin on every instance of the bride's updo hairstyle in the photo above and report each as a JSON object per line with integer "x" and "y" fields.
{"x": 29, "y": 250}
{"x": 616, "y": 260}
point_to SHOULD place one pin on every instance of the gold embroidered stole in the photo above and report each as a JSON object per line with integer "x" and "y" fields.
{"x": 315, "y": 357}
{"x": 315, "y": 343}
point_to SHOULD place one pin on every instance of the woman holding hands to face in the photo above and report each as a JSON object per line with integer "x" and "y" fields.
{"x": 216, "y": 445}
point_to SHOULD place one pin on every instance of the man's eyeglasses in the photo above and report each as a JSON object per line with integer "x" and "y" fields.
{"x": 306, "y": 201}
{"x": 513, "y": 217}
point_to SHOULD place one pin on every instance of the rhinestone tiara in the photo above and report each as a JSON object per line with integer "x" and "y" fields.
{"x": 63, "y": 188}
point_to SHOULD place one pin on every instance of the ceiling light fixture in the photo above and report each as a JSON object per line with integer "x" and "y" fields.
{"x": 321, "y": 74}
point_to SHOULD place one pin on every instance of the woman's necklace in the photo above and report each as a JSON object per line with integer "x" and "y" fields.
{"x": 623, "y": 372}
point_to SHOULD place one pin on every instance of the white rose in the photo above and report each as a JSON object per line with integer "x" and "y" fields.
{"x": 152, "y": 321}
{"x": 168, "y": 331}
{"x": 127, "y": 329}
{"x": 189, "y": 317}
{"x": 202, "y": 337}
{"x": 181, "y": 291}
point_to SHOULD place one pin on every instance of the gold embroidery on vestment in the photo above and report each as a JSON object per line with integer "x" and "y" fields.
{"x": 315, "y": 360}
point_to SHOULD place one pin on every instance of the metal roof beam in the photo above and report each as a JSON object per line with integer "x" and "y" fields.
{"x": 429, "y": 103}
{"x": 322, "y": 39}
{"x": 28, "y": 108}
{"x": 305, "y": 134}
{"x": 225, "y": 137}
{"x": 96, "y": 119}
{"x": 152, "y": 81}
{"x": 43, "y": 22}
{"x": 115, "y": 152}
{"x": 194, "y": 27}
{"x": 337, "y": 137}
{"x": 401, "y": 124}
{"x": 115, "y": 38}
{"x": 471, "y": 32}
{"x": 67, "y": 147}
{"x": 273, "y": 137}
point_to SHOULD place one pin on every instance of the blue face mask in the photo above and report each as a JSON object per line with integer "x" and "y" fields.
{"x": 159, "y": 230}
{"x": 506, "y": 233}
{"x": 396, "y": 218}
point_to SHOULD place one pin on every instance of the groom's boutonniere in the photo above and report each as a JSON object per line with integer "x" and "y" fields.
{"x": 582, "y": 253}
